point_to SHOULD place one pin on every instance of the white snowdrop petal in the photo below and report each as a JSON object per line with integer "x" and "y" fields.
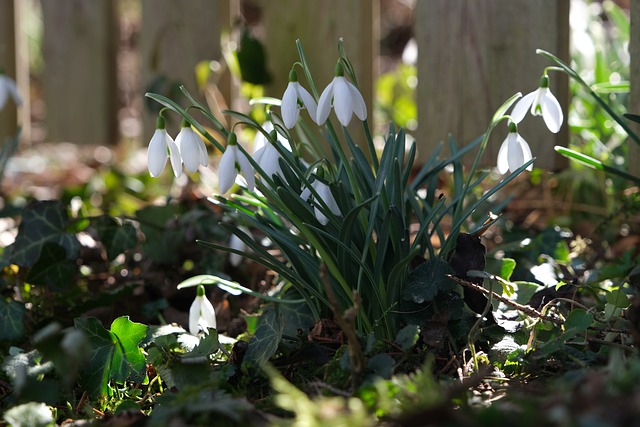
{"x": 174, "y": 155}
{"x": 359, "y": 107}
{"x": 324, "y": 104}
{"x": 308, "y": 102}
{"x": 526, "y": 152}
{"x": 247, "y": 170}
{"x": 522, "y": 106}
{"x": 552, "y": 113}
{"x": 12, "y": 88}
{"x": 157, "y": 153}
{"x": 227, "y": 169}
{"x": 207, "y": 314}
{"x": 342, "y": 101}
{"x": 189, "y": 151}
{"x": 515, "y": 154}
{"x": 289, "y": 106}
{"x": 503, "y": 164}
{"x": 194, "y": 316}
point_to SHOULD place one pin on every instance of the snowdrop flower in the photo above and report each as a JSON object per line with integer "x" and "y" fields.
{"x": 344, "y": 97}
{"x": 161, "y": 147}
{"x": 192, "y": 149}
{"x": 233, "y": 161}
{"x": 236, "y": 243}
{"x": 8, "y": 89}
{"x": 295, "y": 98}
{"x": 541, "y": 102}
{"x": 202, "y": 316}
{"x": 265, "y": 153}
{"x": 324, "y": 192}
{"x": 514, "y": 151}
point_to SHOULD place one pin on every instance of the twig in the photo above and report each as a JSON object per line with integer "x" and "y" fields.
{"x": 530, "y": 311}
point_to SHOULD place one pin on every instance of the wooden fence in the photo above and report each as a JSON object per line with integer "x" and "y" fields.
{"x": 472, "y": 55}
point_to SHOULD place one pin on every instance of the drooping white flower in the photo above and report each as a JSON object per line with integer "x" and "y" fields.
{"x": 192, "y": 149}
{"x": 202, "y": 315}
{"x": 324, "y": 193}
{"x": 265, "y": 153}
{"x": 344, "y": 97}
{"x": 514, "y": 151}
{"x": 233, "y": 161}
{"x": 8, "y": 89}
{"x": 296, "y": 97}
{"x": 540, "y": 102}
{"x": 236, "y": 243}
{"x": 161, "y": 147}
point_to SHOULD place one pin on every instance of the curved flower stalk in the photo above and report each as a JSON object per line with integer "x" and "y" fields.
{"x": 162, "y": 146}
{"x": 202, "y": 315}
{"x": 514, "y": 151}
{"x": 233, "y": 161}
{"x": 345, "y": 98}
{"x": 192, "y": 149}
{"x": 295, "y": 98}
{"x": 8, "y": 89}
{"x": 265, "y": 153}
{"x": 540, "y": 102}
{"x": 324, "y": 193}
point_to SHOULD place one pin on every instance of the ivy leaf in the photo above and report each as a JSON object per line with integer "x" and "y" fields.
{"x": 52, "y": 270}
{"x": 427, "y": 280}
{"x": 11, "y": 320}
{"x": 207, "y": 345}
{"x": 577, "y": 321}
{"x": 128, "y": 360}
{"x": 160, "y": 241}
{"x": 408, "y": 336}
{"x": 382, "y": 364}
{"x": 265, "y": 341}
{"x": 42, "y": 222}
{"x": 114, "y": 354}
{"x": 115, "y": 237}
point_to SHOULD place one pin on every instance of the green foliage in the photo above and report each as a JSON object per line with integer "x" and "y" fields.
{"x": 42, "y": 222}
{"x": 266, "y": 339}
{"x": 114, "y": 353}
{"x": 11, "y": 320}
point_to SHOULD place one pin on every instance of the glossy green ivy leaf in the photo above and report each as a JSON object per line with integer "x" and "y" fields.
{"x": 426, "y": 280}
{"x": 116, "y": 237}
{"x": 42, "y": 222}
{"x": 52, "y": 270}
{"x": 11, "y": 320}
{"x": 114, "y": 354}
{"x": 265, "y": 341}
{"x": 408, "y": 336}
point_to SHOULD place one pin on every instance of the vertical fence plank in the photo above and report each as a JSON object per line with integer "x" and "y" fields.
{"x": 8, "y": 115}
{"x": 319, "y": 25}
{"x": 473, "y": 56}
{"x": 634, "y": 102}
{"x": 79, "y": 76}
{"x": 176, "y": 36}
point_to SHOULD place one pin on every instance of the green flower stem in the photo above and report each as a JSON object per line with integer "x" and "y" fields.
{"x": 575, "y": 76}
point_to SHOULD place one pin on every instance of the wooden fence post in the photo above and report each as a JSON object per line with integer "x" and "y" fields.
{"x": 79, "y": 77}
{"x": 176, "y": 35}
{"x": 473, "y": 55}
{"x": 319, "y": 25}
{"x": 8, "y": 115}
{"x": 634, "y": 101}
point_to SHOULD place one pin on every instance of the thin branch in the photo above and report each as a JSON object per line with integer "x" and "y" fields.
{"x": 530, "y": 311}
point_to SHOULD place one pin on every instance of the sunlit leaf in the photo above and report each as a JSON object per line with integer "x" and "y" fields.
{"x": 42, "y": 222}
